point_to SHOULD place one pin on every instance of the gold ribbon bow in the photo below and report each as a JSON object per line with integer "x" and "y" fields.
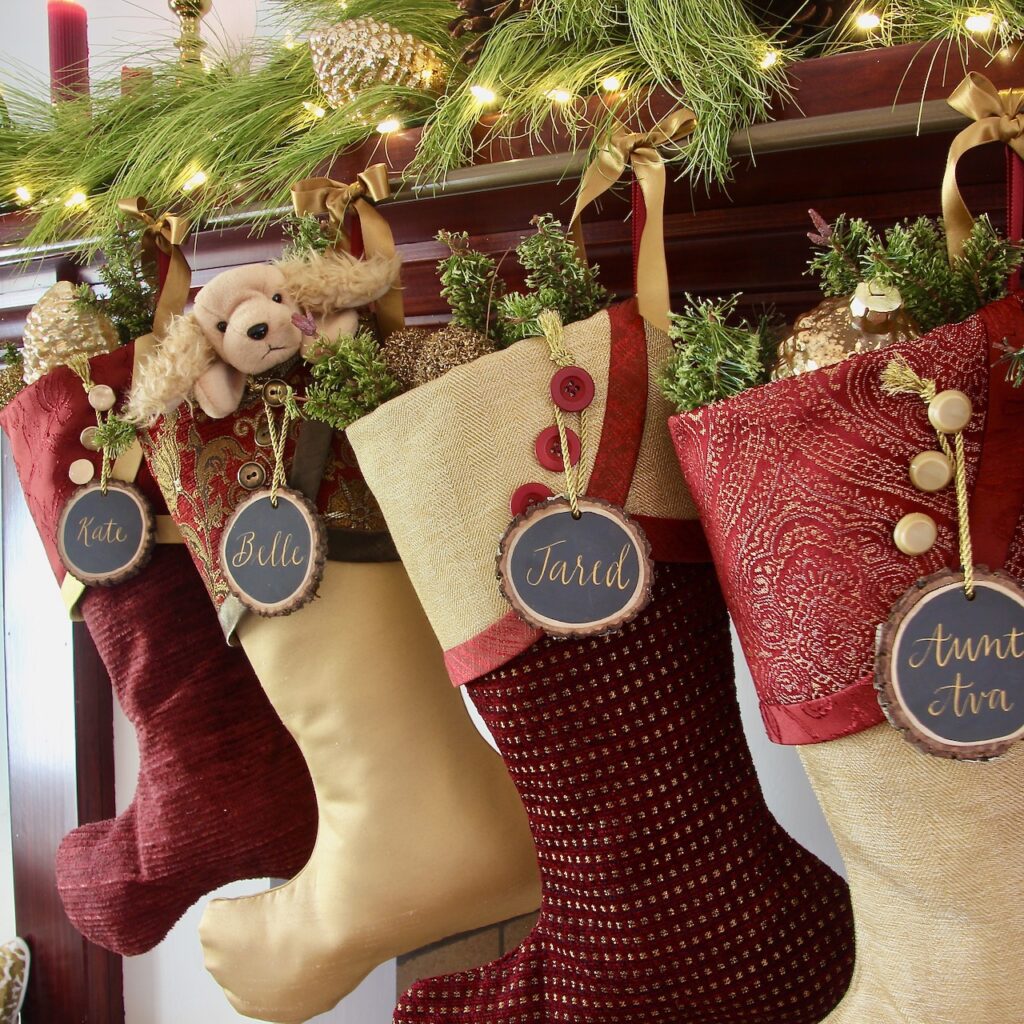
{"x": 319, "y": 196}
{"x": 167, "y": 234}
{"x": 998, "y": 116}
{"x": 639, "y": 150}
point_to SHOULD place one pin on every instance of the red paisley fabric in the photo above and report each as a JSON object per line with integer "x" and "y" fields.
{"x": 670, "y": 893}
{"x": 223, "y": 792}
{"x": 799, "y": 484}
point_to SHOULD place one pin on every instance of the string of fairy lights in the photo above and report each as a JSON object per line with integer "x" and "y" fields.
{"x": 868, "y": 22}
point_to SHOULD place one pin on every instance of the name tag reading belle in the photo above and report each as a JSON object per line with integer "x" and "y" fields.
{"x": 273, "y": 555}
{"x": 950, "y": 671}
{"x": 105, "y": 537}
{"x": 575, "y": 577}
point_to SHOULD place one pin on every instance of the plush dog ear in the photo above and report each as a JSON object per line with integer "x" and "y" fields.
{"x": 324, "y": 283}
{"x": 220, "y": 389}
{"x": 169, "y": 375}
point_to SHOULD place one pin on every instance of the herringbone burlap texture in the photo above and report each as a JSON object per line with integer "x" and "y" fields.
{"x": 444, "y": 459}
{"x": 933, "y": 853}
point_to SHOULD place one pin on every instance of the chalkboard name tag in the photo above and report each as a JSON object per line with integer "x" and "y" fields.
{"x": 950, "y": 671}
{"x": 273, "y": 557}
{"x": 575, "y": 577}
{"x": 105, "y": 538}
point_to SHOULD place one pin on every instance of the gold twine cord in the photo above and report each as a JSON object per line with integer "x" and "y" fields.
{"x": 80, "y": 365}
{"x": 554, "y": 333}
{"x": 899, "y": 378}
{"x": 278, "y": 438}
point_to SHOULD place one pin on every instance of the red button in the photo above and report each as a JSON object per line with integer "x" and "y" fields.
{"x": 528, "y": 495}
{"x": 572, "y": 389}
{"x": 549, "y": 449}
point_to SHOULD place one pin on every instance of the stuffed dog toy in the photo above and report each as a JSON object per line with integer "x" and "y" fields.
{"x": 248, "y": 320}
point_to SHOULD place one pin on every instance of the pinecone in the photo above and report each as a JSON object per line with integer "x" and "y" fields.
{"x": 479, "y": 17}
{"x": 354, "y": 55}
{"x": 797, "y": 21}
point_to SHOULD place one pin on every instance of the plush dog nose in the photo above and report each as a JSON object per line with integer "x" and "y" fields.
{"x": 258, "y": 331}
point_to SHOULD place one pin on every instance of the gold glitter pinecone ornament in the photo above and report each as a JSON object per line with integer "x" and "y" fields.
{"x": 354, "y": 55}
{"x": 58, "y": 328}
{"x": 842, "y": 326}
{"x": 415, "y": 355}
{"x": 401, "y": 351}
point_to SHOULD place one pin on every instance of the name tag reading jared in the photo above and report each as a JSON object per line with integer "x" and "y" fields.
{"x": 273, "y": 557}
{"x": 950, "y": 671}
{"x": 104, "y": 539}
{"x": 575, "y": 577}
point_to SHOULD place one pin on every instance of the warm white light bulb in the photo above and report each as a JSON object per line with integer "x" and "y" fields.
{"x": 770, "y": 59}
{"x": 313, "y": 108}
{"x": 980, "y": 23}
{"x": 559, "y": 95}
{"x": 611, "y": 84}
{"x": 389, "y": 125}
{"x": 76, "y": 199}
{"x": 868, "y": 21}
{"x": 194, "y": 181}
{"x": 482, "y": 94}
{"x": 23, "y": 194}
{"x": 289, "y": 41}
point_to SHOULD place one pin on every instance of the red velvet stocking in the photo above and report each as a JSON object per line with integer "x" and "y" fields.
{"x": 670, "y": 893}
{"x": 223, "y": 792}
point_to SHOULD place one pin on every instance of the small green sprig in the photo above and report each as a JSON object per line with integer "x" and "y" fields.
{"x": 350, "y": 380}
{"x": 469, "y": 283}
{"x": 307, "y": 235}
{"x": 714, "y": 359}
{"x": 131, "y": 294}
{"x": 115, "y": 435}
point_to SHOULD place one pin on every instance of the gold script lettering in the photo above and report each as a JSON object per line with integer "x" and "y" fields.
{"x": 282, "y": 552}
{"x": 106, "y": 533}
{"x": 558, "y": 570}
{"x": 960, "y": 699}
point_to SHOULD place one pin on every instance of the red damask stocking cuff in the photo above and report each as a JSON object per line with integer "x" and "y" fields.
{"x": 800, "y": 484}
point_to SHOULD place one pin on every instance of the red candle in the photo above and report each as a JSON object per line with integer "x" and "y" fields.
{"x": 69, "y": 49}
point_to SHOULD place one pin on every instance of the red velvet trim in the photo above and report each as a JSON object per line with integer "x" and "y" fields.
{"x": 814, "y": 721}
{"x": 626, "y": 411}
{"x": 1014, "y": 205}
{"x": 675, "y": 540}
{"x": 998, "y": 492}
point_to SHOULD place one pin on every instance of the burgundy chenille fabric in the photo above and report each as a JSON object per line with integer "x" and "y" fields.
{"x": 799, "y": 484}
{"x": 223, "y": 792}
{"x": 670, "y": 893}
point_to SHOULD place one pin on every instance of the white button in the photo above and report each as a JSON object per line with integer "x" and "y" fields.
{"x": 915, "y": 533}
{"x": 930, "y": 471}
{"x": 81, "y": 471}
{"x": 949, "y": 411}
{"x": 102, "y": 398}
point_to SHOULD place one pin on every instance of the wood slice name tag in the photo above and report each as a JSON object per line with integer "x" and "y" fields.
{"x": 273, "y": 558}
{"x": 104, "y": 539}
{"x": 575, "y": 577}
{"x": 950, "y": 671}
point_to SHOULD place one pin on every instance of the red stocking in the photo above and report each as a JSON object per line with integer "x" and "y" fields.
{"x": 222, "y": 792}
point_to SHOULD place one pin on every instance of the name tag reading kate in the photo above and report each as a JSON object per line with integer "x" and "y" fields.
{"x": 950, "y": 671}
{"x": 273, "y": 557}
{"x": 105, "y": 538}
{"x": 575, "y": 577}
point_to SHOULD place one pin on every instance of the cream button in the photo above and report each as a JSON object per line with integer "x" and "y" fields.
{"x": 88, "y": 439}
{"x": 81, "y": 471}
{"x": 101, "y": 397}
{"x": 949, "y": 411}
{"x": 915, "y": 533}
{"x": 930, "y": 471}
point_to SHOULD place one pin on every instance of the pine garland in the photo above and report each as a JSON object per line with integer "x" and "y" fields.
{"x": 912, "y": 256}
{"x": 130, "y": 300}
{"x": 350, "y": 380}
{"x": 713, "y": 359}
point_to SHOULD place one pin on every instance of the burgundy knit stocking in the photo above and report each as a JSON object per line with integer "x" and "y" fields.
{"x": 222, "y": 793}
{"x": 671, "y": 895}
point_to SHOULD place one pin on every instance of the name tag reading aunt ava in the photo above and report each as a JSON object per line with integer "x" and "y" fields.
{"x": 105, "y": 538}
{"x": 273, "y": 557}
{"x": 575, "y": 577}
{"x": 950, "y": 670}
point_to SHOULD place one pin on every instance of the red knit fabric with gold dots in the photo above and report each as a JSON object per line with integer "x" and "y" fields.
{"x": 670, "y": 893}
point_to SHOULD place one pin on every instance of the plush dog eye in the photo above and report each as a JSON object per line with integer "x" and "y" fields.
{"x": 222, "y": 326}
{"x": 276, "y": 297}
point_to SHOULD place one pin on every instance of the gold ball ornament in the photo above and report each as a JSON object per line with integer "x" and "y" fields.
{"x": 353, "y": 55}
{"x": 950, "y": 411}
{"x": 915, "y": 534}
{"x": 930, "y": 471}
{"x": 11, "y": 383}
{"x": 841, "y": 327}
{"x": 447, "y": 348}
{"x": 58, "y": 328}
{"x": 401, "y": 352}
